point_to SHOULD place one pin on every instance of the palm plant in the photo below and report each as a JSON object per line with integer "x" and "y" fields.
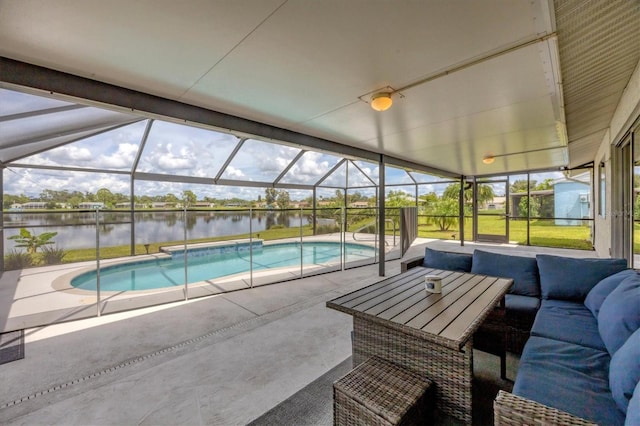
{"x": 32, "y": 242}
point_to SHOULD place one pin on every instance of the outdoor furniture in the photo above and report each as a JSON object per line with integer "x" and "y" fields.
{"x": 428, "y": 333}
{"x": 378, "y": 392}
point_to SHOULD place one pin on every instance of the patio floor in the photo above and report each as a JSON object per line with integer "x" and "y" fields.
{"x": 224, "y": 359}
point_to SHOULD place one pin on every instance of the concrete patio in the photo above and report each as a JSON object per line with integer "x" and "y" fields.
{"x": 224, "y": 359}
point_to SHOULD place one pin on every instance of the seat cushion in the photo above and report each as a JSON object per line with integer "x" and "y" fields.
{"x": 459, "y": 262}
{"x": 523, "y": 270}
{"x": 624, "y": 371}
{"x": 523, "y": 309}
{"x": 597, "y": 294}
{"x": 619, "y": 315}
{"x": 568, "y": 377}
{"x": 569, "y": 322}
{"x": 568, "y": 278}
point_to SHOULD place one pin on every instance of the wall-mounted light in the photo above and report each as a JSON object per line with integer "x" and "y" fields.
{"x": 381, "y": 101}
{"x": 488, "y": 159}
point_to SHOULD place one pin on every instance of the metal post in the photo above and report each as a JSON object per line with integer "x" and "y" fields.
{"x": 343, "y": 237}
{"x": 381, "y": 217}
{"x": 301, "y": 246}
{"x": 528, "y": 208}
{"x": 461, "y": 210}
{"x": 186, "y": 287}
{"x": 98, "y": 261}
{"x": 250, "y": 247}
{"x": 132, "y": 216}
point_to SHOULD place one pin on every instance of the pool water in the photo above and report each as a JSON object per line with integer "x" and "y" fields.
{"x": 169, "y": 272}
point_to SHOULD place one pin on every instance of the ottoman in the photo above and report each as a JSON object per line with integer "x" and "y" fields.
{"x": 378, "y": 392}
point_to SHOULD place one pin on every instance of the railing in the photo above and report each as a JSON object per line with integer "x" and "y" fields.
{"x": 177, "y": 246}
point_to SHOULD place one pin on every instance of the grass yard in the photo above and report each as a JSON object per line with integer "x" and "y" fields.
{"x": 544, "y": 233}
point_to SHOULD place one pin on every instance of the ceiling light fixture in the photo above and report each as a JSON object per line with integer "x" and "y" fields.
{"x": 488, "y": 159}
{"x": 381, "y": 101}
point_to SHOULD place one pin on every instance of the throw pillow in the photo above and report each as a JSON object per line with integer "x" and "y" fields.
{"x": 523, "y": 270}
{"x": 568, "y": 278}
{"x": 596, "y": 296}
{"x": 633, "y": 411}
{"x": 624, "y": 371}
{"x": 459, "y": 262}
{"x": 619, "y": 315}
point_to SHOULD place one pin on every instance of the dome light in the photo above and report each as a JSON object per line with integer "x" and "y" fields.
{"x": 381, "y": 101}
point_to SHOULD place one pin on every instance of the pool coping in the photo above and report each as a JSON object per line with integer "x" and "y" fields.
{"x": 62, "y": 282}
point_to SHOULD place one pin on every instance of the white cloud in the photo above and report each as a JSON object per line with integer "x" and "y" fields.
{"x": 121, "y": 159}
{"x": 233, "y": 173}
{"x": 70, "y": 155}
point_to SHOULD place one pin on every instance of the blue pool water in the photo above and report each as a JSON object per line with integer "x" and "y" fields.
{"x": 202, "y": 266}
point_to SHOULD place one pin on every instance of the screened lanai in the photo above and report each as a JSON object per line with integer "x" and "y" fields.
{"x": 86, "y": 187}
{"x": 90, "y": 186}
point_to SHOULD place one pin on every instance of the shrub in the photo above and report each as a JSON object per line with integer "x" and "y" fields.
{"x": 17, "y": 260}
{"x": 52, "y": 255}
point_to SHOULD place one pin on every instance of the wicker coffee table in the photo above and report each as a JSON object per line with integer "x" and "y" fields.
{"x": 431, "y": 334}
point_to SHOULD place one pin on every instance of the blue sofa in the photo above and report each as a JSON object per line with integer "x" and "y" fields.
{"x": 583, "y": 353}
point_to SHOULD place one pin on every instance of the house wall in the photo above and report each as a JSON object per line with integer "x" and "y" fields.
{"x": 627, "y": 111}
{"x": 568, "y": 202}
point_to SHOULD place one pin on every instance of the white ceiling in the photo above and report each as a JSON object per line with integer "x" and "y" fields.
{"x": 303, "y": 65}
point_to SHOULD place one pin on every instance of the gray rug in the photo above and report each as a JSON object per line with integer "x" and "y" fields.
{"x": 313, "y": 405}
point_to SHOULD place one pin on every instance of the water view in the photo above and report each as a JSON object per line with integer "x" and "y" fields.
{"x": 77, "y": 230}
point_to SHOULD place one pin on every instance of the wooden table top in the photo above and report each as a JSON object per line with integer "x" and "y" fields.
{"x": 449, "y": 318}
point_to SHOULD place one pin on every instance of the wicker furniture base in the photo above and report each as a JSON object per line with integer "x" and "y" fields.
{"x": 509, "y": 409}
{"x": 450, "y": 370}
{"x": 378, "y": 392}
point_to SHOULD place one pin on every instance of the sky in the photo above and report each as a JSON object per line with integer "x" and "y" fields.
{"x": 171, "y": 149}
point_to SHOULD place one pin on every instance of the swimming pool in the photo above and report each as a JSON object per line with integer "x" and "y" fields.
{"x": 206, "y": 265}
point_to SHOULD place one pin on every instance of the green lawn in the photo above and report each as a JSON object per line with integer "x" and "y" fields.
{"x": 544, "y": 233}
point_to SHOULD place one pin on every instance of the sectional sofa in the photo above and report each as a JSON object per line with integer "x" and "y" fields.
{"x": 579, "y": 324}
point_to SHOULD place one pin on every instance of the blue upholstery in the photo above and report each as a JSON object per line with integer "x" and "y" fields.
{"x": 619, "y": 315}
{"x": 568, "y": 377}
{"x": 633, "y": 411}
{"x": 523, "y": 270}
{"x": 568, "y": 321}
{"x": 568, "y": 278}
{"x": 522, "y": 305}
{"x": 459, "y": 262}
{"x": 601, "y": 290}
{"x": 624, "y": 372}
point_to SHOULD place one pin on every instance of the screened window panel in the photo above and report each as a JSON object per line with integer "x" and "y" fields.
{"x": 259, "y": 161}
{"x": 310, "y": 168}
{"x": 396, "y": 176}
{"x": 427, "y": 178}
{"x": 176, "y": 149}
{"x": 36, "y": 181}
{"x": 338, "y": 178}
{"x": 370, "y": 169}
{"x": 12, "y": 102}
{"x": 111, "y": 150}
{"x": 22, "y": 151}
{"x": 358, "y": 179}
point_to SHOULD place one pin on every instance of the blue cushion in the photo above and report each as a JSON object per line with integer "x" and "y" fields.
{"x": 518, "y": 305}
{"x": 568, "y": 278}
{"x": 523, "y": 270}
{"x": 624, "y": 371}
{"x": 569, "y": 322}
{"x": 568, "y": 377}
{"x": 601, "y": 290}
{"x": 619, "y": 315}
{"x": 459, "y": 262}
{"x": 633, "y": 411}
